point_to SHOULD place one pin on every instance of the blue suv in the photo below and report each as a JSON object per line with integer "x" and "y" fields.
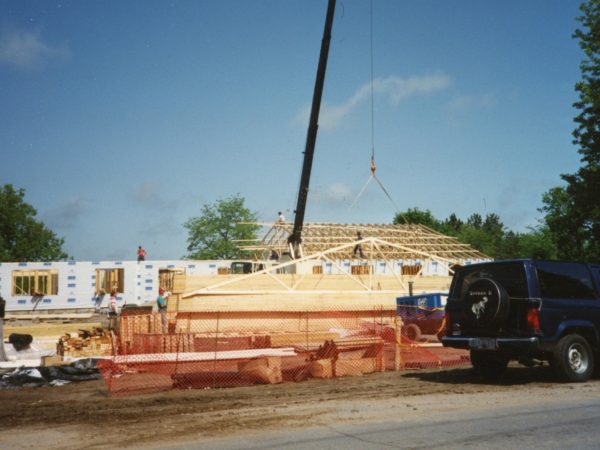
{"x": 529, "y": 311}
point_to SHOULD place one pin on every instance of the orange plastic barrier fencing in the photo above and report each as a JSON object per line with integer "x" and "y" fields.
{"x": 234, "y": 348}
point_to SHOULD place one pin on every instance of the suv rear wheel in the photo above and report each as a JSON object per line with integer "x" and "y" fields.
{"x": 573, "y": 359}
{"x": 490, "y": 365}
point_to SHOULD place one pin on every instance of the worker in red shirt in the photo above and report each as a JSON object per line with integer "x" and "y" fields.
{"x": 141, "y": 253}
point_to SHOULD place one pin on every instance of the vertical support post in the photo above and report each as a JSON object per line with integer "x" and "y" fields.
{"x": 307, "y": 330}
{"x": 398, "y": 355}
{"x": 370, "y": 268}
{"x": 382, "y": 356}
{"x": 216, "y": 345}
{"x": 2, "y": 351}
{"x": 2, "y": 310}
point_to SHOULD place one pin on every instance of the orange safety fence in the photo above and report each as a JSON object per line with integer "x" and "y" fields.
{"x": 235, "y": 348}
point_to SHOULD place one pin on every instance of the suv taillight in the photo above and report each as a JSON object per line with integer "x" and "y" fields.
{"x": 451, "y": 328}
{"x": 533, "y": 319}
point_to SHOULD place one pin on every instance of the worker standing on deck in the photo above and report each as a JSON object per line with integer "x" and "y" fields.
{"x": 161, "y": 302}
{"x": 280, "y": 218}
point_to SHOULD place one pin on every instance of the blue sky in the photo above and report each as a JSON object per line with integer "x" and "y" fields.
{"x": 121, "y": 119}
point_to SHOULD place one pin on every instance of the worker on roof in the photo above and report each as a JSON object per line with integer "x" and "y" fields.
{"x": 358, "y": 247}
{"x": 141, "y": 253}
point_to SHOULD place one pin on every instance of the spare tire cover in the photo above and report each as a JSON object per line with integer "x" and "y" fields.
{"x": 485, "y": 303}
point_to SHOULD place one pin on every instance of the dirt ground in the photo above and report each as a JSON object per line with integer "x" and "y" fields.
{"x": 82, "y": 414}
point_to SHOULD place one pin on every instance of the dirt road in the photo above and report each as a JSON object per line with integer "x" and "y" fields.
{"x": 83, "y": 414}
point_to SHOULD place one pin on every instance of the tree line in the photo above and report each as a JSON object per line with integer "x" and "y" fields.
{"x": 488, "y": 235}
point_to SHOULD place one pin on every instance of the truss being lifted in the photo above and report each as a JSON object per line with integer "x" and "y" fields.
{"x": 398, "y": 242}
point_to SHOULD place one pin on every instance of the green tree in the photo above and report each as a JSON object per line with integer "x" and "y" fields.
{"x": 488, "y": 235}
{"x": 22, "y": 237}
{"x": 416, "y": 216}
{"x": 538, "y": 243}
{"x": 214, "y": 233}
{"x": 452, "y": 225}
{"x": 475, "y": 221}
{"x": 573, "y": 211}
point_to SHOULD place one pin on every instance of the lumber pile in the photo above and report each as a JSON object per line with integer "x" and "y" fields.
{"x": 343, "y": 357}
{"x": 265, "y": 370}
{"x": 87, "y": 343}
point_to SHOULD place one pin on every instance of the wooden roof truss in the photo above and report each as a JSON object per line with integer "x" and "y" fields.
{"x": 410, "y": 242}
{"x": 375, "y": 249}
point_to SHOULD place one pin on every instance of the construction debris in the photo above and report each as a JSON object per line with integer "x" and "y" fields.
{"x": 82, "y": 370}
{"x": 88, "y": 343}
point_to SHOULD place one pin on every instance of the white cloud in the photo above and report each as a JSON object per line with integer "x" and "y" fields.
{"x": 394, "y": 89}
{"x": 26, "y": 50}
{"x": 65, "y": 215}
{"x": 334, "y": 194}
{"x": 148, "y": 193}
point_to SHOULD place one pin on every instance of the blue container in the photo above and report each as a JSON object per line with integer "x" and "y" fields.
{"x": 421, "y": 301}
{"x": 422, "y": 314}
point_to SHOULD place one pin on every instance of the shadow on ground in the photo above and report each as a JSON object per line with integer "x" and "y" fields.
{"x": 515, "y": 375}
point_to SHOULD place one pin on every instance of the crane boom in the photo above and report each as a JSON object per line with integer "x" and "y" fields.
{"x": 311, "y": 137}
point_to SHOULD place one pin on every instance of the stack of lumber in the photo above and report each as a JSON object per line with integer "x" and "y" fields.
{"x": 343, "y": 357}
{"x": 87, "y": 343}
{"x": 264, "y": 369}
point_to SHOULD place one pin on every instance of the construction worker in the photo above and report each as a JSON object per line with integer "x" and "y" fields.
{"x": 113, "y": 316}
{"x": 141, "y": 253}
{"x": 161, "y": 303}
{"x": 358, "y": 247}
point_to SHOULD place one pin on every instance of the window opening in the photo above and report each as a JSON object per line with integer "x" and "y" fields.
{"x": 35, "y": 282}
{"x": 109, "y": 279}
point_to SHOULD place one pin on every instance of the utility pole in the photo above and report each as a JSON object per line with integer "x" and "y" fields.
{"x": 295, "y": 239}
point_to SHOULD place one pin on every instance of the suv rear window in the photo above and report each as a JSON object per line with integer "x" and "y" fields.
{"x": 510, "y": 275}
{"x": 565, "y": 280}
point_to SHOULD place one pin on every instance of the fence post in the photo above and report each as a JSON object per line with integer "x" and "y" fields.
{"x": 2, "y": 352}
{"x": 382, "y": 336}
{"x": 178, "y": 342}
{"x": 307, "y": 329}
{"x": 397, "y": 331}
{"x": 216, "y": 345}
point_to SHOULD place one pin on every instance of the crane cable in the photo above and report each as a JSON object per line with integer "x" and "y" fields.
{"x": 373, "y": 166}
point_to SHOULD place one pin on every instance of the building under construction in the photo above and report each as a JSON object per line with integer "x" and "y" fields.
{"x": 338, "y": 265}
{"x": 330, "y": 312}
